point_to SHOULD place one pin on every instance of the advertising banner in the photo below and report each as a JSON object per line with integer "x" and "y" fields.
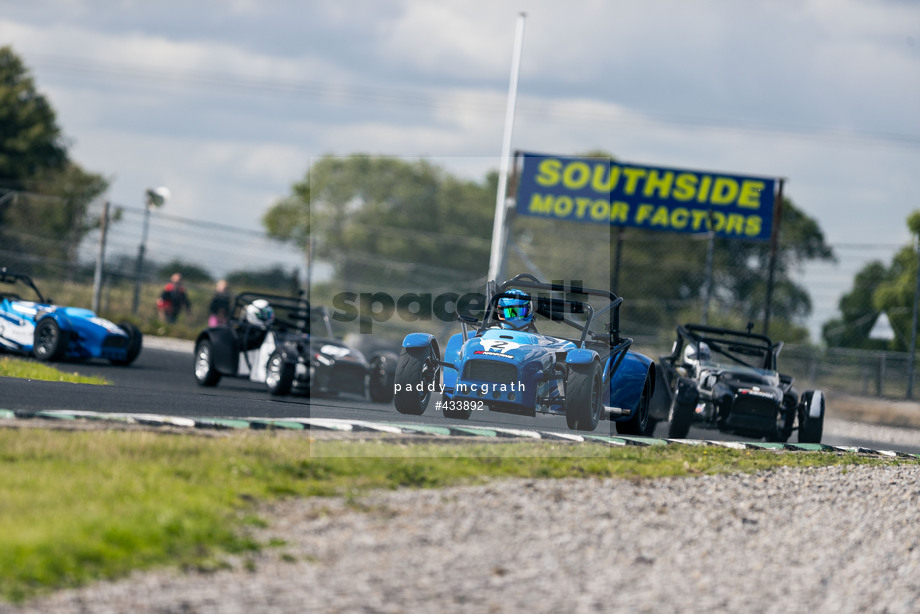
{"x": 601, "y": 191}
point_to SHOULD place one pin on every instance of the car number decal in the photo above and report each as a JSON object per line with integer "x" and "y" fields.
{"x": 499, "y": 345}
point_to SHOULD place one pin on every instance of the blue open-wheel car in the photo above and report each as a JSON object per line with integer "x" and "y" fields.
{"x": 31, "y": 324}
{"x": 502, "y": 364}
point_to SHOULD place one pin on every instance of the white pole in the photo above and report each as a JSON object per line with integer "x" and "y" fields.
{"x": 498, "y": 228}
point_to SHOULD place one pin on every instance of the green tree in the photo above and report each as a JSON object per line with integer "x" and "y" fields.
{"x": 388, "y": 221}
{"x": 276, "y": 279}
{"x": 878, "y": 288}
{"x": 30, "y": 139}
{"x": 191, "y": 273}
{"x": 858, "y": 312}
{"x": 44, "y": 196}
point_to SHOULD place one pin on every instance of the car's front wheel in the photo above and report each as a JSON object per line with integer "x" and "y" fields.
{"x": 583, "y": 396}
{"x": 417, "y": 376}
{"x": 811, "y": 417}
{"x": 638, "y": 422}
{"x": 381, "y": 377}
{"x": 279, "y": 374}
{"x": 682, "y": 408}
{"x": 135, "y": 342}
{"x": 205, "y": 373}
{"x": 49, "y": 344}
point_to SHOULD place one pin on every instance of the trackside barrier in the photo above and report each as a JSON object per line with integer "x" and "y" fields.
{"x": 437, "y": 431}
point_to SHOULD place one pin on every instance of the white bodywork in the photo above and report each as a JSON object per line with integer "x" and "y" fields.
{"x": 258, "y": 358}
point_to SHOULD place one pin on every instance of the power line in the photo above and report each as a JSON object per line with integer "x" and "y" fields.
{"x": 338, "y": 92}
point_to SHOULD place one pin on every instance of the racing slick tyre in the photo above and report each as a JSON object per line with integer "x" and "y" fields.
{"x": 638, "y": 422}
{"x": 811, "y": 416}
{"x": 785, "y": 420}
{"x": 205, "y": 373}
{"x": 682, "y": 408}
{"x": 49, "y": 344}
{"x": 279, "y": 374}
{"x": 417, "y": 376}
{"x": 135, "y": 343}
{"x": 381, "y": 377}
{"x": 583, "y": 396}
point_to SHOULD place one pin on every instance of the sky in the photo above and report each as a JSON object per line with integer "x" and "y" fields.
{"x": 226, "y": 102}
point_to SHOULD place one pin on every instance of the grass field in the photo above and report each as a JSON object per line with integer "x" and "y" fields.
{"x": 85, "y": 505}
{"x": 29, "y": 369}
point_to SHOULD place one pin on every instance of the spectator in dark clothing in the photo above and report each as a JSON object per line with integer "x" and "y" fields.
{"x": 219, "y": 310}
{"x": 173, "y": 299}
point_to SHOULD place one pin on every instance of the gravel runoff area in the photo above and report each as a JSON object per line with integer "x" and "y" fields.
{"x": 840, "y": 539}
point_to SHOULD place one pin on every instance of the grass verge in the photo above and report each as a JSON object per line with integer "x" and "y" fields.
{"x": 27, "y": 369}
{"x": 79, "y": 506}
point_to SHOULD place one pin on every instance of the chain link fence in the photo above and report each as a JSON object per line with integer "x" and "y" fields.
{"x": 364, "y": 290}
{"x": 64, "y": 263}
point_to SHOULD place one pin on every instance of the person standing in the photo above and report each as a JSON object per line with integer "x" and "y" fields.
{"x": 219, "y": 309}
{"x": 173, "y": 299}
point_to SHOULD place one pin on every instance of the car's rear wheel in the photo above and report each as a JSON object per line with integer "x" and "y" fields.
{"x": 279, "y": 374}
{"x": 583, "y": 396}
{"x": 638, "y": 422}
{"x": 682, "y": 408}
{"x": 135, "y": 343}
{"x": 49, "y": 344}
{"x": 417, "y": 374}
{"x": 205, "y": 373}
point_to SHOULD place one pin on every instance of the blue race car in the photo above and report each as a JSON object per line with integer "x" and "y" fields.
{"x": 505, "y": 365}
{"x": 31, "y": 324}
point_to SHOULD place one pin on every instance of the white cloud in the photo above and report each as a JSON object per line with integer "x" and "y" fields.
{"x": 225, "y": 102}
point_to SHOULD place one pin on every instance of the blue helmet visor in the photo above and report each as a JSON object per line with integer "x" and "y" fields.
{"x": 516, "y": 312}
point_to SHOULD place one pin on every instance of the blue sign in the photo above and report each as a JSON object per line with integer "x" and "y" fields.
{"x": 602, "y": 191}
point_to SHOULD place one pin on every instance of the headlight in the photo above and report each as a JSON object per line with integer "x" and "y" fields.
{"x": 335, "y": 351}
{"x": 322, "y": 359}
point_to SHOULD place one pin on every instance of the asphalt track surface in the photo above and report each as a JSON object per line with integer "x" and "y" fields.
{"x": 161, "y": 381}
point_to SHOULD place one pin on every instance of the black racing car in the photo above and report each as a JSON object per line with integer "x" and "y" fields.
{"x": 290, "y": 346}
{"x": 728, "y": 380}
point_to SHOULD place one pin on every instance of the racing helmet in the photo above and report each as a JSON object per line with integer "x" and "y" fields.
{"x": 259, "y": 312}
{"x": 693, "y": 354}
{"x": 516, "y": 310}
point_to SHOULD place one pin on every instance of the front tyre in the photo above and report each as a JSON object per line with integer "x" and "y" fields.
{"x": 682, "y": 408}
{"x": 135, "y": 343}
{"x": 381, "y": 377}
{"x": 417, "y": 375}
{"x": 49, "y": 344}
{"x": 583, "y": 396}
{"x": 650, "y": 428}
{"x": 279, "y": 374}
{"x": 811, "y": 416}
{"x": 205, "y": 373}
{"x": 638, "y": 422}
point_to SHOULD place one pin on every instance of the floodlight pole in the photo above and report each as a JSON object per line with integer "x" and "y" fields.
{"x": 152, "y": 198}
{"x": 139, "y": 266}
{"x": 913, "y": 330}
{"x": 774, "y": 252}
{"x": 710, "y": 249}
{"x": 498, "y": 227}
